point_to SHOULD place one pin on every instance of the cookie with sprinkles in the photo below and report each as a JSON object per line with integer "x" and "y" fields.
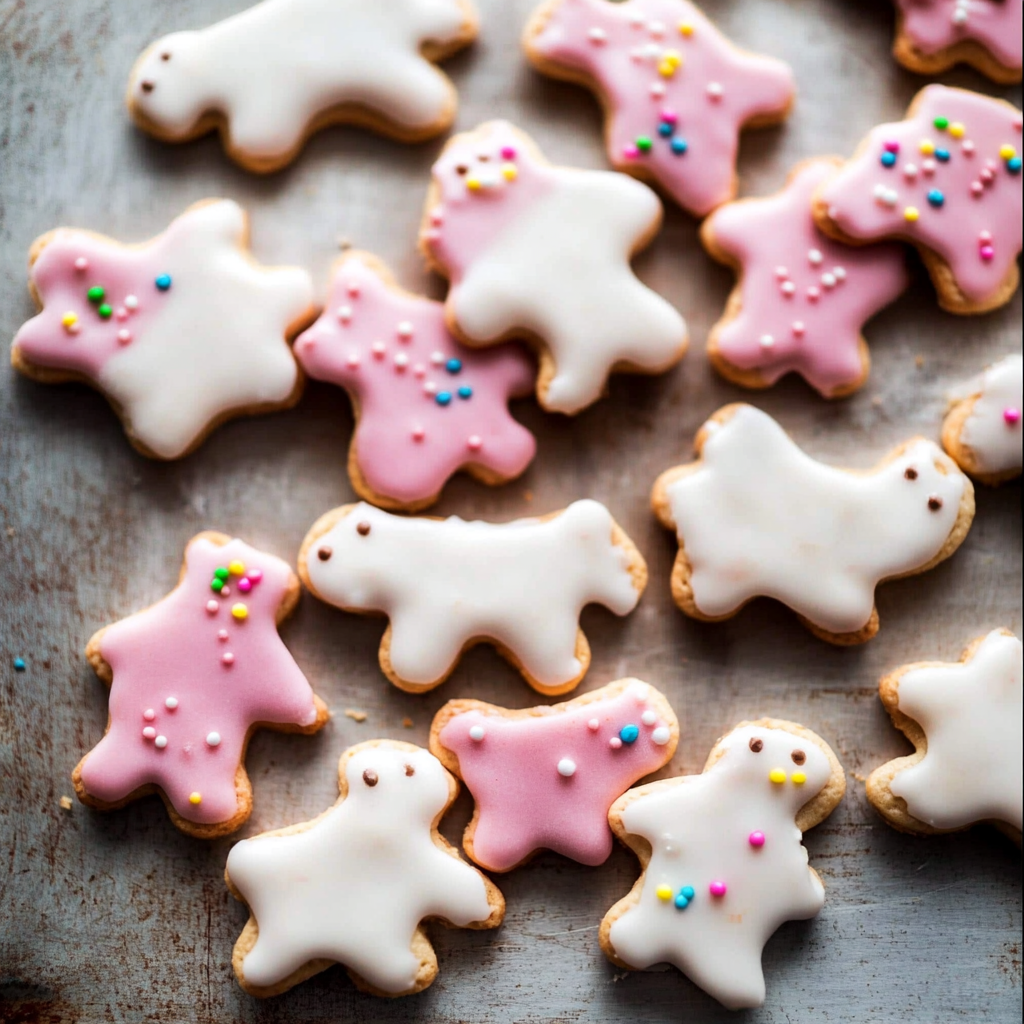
{"x": 180, "y": 333}
{"x": 446, "y": 585}
{"x": 947, "y": 180}
{"x": 675, "y": 92}
{"x": 964, "y": 720}
{"x": 354, "y": 885}
{"x": 934, "y": 35}
{"x": 802, "y": 298}
{"x": 191, "y": 678}
{"x": 542, "y": 253}
{"x": 722, "y": 859}
{"x": 757, "y": 517}
{"x": 545, "y": 778}
{"x": 271, "y": 76}
{"x": 982, "y": 430}
{"x": 426, "y": 406}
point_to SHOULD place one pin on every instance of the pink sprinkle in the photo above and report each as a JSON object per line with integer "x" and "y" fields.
{"x": 437, "y": 217}
{"x": 475, "y": 443}
{"x": 222, "y": 635}
{"x": 149, "y": 733}
{"x": 227, "y": 658}
{"x": 1011, "y": 416}
{"x": 225, "y": 591}
{"x": 615, "y": 743}
{"x": 986, "y": 252}
{"x": 593, "y": 725}
{"x": 630, "y": 152}
{"x": 782, "y": 273}
{"x": 353, "y": 361}
{"x": 121, "y": 315}
{"x": 1018, "y": 121}
{"x": 892, "y": 146}
{"x": 977, "y": 188}
{"x": 81, "y": 264}
{"x": 379, "y": 348}
{"x": 254, "y": 575}
{"x": 508, "y": 152}
{"x": 985, "y": 237}
{"x": 991, "y": 165}
{"x": 986, "y": 175}
{"x": 419, "y": 371}
{"x": 124, "y": 336}
{"x": 418, "y": 433}
{"x": 717, "y": 889}
{"x": 353, "y": 289}
{"x": 813, "y": 293}
{"x": 149, "y": 714}
{"x": 928, "y": 165}
{"x": 967, "y": 147}
{"x": 213, "y": 607}
{"x": 245, "y": 585}
{"x": 756, "y": 839}
{"x": 799, "y": 328}
{"x": 75, "y": 328}
{"x": 669, "y": 116}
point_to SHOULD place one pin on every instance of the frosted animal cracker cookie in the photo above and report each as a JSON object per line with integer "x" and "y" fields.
{"x": 271, "y": 76}
{"x": 191, "y": 678}
{"x": 542, "y": 253}
{"x": 180, "y": 333}
{"x": 545, "y": 778}
{"x": 354, "y": 885}
{"x": 965, "y": 721}
{"x": 448, "y": 584}
{"x": 755, "y": 516}
{"x": 722, "y": 862}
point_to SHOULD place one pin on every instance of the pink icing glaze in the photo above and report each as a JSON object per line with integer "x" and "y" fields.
{"x": 954, "y": 231}
{"x": 933, "y": 25}
{"x": 783, "y": 255}
{"x": 707, "y": 98}
{"x": 407, "y": 444}
{"x": 121, "y": 271}
{"x": 172, "y": 650}
{"x": 523, "y": 802}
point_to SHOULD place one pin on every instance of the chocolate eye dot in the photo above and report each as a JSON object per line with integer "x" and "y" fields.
{"x": 910, "y": 473}
{"x": 363, "y": 529}
{"x": 370, "y": 777}
{"x": 409, "y": 770}
{"x": 756, "y": 745}
{"x": 148, "y": 86}
{"x": 324, "y": 554}
{"x": 483, "y": 158}
{"x": 799, "y": 757}
{"x": 462, "y": 169}
{"x": 165, "y": 56}
{"x": 934, "y": 503}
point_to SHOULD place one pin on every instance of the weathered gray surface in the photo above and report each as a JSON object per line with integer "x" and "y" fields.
{"x": 120, "y": 918}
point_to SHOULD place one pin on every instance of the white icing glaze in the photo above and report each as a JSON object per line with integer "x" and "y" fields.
{"x": 443, "y": 583}
{"x": 355, "y": 885}
{"x": 971, "y": 714}
{"x": 273, "y": 68}
{"x": 994, "y": 440}
{"x": 760, "y": 517}
{"x": 699, "y": 828}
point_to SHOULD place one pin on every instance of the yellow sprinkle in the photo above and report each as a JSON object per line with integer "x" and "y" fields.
{"x": 666, "y": 70}
{"x": 673, "y": 57}
{"x": 69, "y": 319}
{"x": 1007, "y": 152}
{"x": 957, "y": 129}
{"x": 777, "y": 775}
{"x": 927, "y": 147}
{"x": 473, "y": 184}
{"x": 195, "y": 798}
{"x": 236, "y": 568}
{"x": 798, "y": 778}
{"x": 685, "y": 29}
{"x": 239, "y": 611}
{"x": 910, "y": 214}
{"x": 664, "y": 892}
{"x": 509, "y": 172}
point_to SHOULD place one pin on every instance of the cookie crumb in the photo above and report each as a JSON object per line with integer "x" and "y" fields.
{"x": 407, "y": 722}
{"x": 919, "y": 361}
{"x": 10, "y": 531}
{"x": 344, "y": 244}
{"x": 355, "y": 715}
{"x": 65, "y": 803}
{"x": 877, "y": 401}
{"x": 527, "y": 495}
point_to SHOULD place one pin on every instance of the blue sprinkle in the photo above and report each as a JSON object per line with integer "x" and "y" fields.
{"x": 629, "y": 733}
{"x": 687, "y": 892}
{"x": 942, "y": 155}
{"x": 679, "y": 146}
{"x": 682, "y": 902}
{"x": 889, "y": 159}
{"x": 465, "y": 391}
{"x": 935, "y": 197}
{"x": 19, "y": 664}
{"x": 453, "y": 365}
{"x": 665, "y": 129}
{"x": 443, "y": 397}
{"x": 163, "y": 282}
{"x": 1013, "y": 165}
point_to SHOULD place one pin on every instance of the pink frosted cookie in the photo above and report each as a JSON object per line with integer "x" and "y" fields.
{"x": 542, "y": 253}
{"x": 675, "y": 91}
{"x": 180, "y": 333}
{"x": 447, "y": 584}
{"x": 354, "y": 885}
{"x": 270, "y": 76}
{"x": 933, "y": 35}
{"x": 426, "y": 406}
{"x": 964, "y": 719}
{"x": 947, "y": 180}
{"x": 757, "y": 517}
{"x": 545, "y": 778}
{"x": 190, "y": 678}
{"x": 982, "y": 430}
{"x": 722, "y": 862}
{"x": 802, "y": 298}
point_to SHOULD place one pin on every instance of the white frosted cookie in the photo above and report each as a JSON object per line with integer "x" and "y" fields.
{"x": 353, "y": 885}
{"x": 965, "y": 721}
{"x": 755, "y": 516}
{"x": 446, "y": 585}
{"x": 722, "y": 860}
{"x": 269, "y": 77}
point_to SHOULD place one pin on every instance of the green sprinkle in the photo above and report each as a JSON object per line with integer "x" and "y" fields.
{"x": 95, "y": 293}
{"x": 216, "y": 585}
{"x": 643, "y": 143}
{"x": 942, "y": 123}
{"x": 105, "y": 311}
{"x": 221, "y": 573}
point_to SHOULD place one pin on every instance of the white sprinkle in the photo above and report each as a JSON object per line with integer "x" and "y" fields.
{"x": 782, "y": 273}
{"x": 212, "y": 607}
{"x": 124, "y": 336}
{"x": 593, "y": 725}
{"x": 160, "y": 742}
{"x": 788, "y": 288}
{"x": 477, "y": 733}
{"x": 378, "y": 348}
{"x": 213, "y": 739}
{"x": 657, "y": 90}
{"x": 715, "y": 90}
{"x": 828, "y": 280}
{"x": 909, "y": 172}
{"x": 222, "y": 635}
{"x": 437, "y": 358}
{"x": 353, "y": 360}
{"x": 799, "y": 328}
{"x": 131, "y": 302}
{"x": 149, "y": 732}
{"x": 81, "y": 263}
{"x": 474, "y": 443}
{"x": 597, "y": 35}
{"x": 405, "y": 330}
{"x": 401, "y": 361}
{"x": 814, "y": 257}
{"x": 227, "y": 658}
{"x": 652, "y": 50}
{"x": 567, "y": 767}
{"x": 429, "y": 388}
{"x": 839, "y": 273}
{"x": 171, "y": 703}
{"x": 344, "y": 314}
{"x": 615, "y": 743}
{"x": 636, "y": 19}
{"x": 767, "y": 341}
{"x": 649, "y": 717}
{"x": 353, "y": 288}
{"x": 656, "y": 28}
{"x": 661, "y": 735}
{"x": 488, "y": 177}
